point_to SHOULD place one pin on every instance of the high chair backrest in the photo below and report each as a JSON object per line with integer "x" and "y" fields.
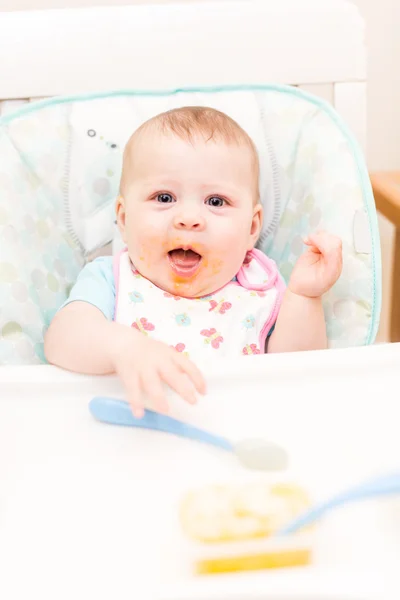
{"x": 317, "y": 46}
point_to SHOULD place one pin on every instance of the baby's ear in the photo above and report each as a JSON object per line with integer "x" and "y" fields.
{"x": 256, "y": 224}
{"x": 121, "y": 216}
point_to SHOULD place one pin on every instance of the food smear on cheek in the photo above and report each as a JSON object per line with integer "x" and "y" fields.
{"x": 216, "y": 266}
{"x": 147, "y": 251}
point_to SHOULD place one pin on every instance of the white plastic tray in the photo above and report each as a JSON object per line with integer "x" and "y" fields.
{"x": 90, "y": 511}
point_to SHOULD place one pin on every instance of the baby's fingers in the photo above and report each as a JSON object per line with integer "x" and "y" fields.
{"x": 134, "y": 395}
{"x": 193, "y": 372}
{"x": 152, "y": 386}
{"x": 311, "y": 246}
{"x": 324, "y": 242}
{"x": 178, "y": 381}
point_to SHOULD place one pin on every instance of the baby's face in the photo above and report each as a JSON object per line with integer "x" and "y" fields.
{"x": 190, "y": 213}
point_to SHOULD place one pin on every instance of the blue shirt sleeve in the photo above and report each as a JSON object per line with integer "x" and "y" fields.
{"x": 96, "y": 285}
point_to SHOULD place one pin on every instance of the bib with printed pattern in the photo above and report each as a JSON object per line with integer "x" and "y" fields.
{"x": 235, "y": 320}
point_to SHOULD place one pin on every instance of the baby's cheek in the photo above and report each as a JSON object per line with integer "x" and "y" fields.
{"x": 147, "y": 251}
{"x": 229, "y": 258}
{"x": 146, "y": 241}
{"x": 216, "y": 265}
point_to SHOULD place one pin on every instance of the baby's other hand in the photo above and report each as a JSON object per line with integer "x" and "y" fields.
{"x": 144, "y": 365}
{"x": 318, "y": 269}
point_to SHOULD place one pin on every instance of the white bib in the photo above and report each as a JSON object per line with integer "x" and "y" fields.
{"x": 233, "y": 321}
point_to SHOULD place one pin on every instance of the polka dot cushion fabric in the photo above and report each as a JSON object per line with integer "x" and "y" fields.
{"x": 59, "y": 176}
{"x": 38, "y": 259}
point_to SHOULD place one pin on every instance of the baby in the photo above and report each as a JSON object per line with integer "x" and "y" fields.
{"x": 189, "y": 286}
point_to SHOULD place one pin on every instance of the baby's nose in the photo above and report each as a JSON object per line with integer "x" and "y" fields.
{"x": 189, "y": 220}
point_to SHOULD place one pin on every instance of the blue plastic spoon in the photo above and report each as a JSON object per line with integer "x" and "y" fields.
{"x": 379, "y": 486}
{"x": 254, "y": 454}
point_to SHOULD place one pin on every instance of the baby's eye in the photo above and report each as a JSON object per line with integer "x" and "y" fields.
{"x": 165, "y": 198}
{"x": 215, "y": 201}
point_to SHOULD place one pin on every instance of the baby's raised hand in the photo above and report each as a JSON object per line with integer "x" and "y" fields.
{"x": 319, "y": 267}
{"x": 144, "y": 365}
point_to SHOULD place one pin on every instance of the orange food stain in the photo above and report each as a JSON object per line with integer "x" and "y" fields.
{"x": 180, "y": 280}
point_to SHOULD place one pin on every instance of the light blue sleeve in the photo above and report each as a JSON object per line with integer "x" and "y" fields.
{"x": 96, "y": 285}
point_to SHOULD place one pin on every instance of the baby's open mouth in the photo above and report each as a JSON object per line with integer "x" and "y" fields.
{"x": 184, "y": 262}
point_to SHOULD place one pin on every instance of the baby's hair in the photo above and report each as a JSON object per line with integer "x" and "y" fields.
{"x": 189, "y": 122}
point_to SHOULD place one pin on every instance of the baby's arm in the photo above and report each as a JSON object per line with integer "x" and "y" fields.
{"x": 301, "y": 322}
{"x": 300, "y": 325}
{"x": 81, "y": 339}
{"x": 77, "y": 338}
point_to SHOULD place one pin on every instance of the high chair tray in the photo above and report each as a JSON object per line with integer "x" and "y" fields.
{"x": 92, "y": 507}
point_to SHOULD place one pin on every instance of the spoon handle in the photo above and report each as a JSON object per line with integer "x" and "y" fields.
{"x": 379, "y": 486}
{"x": 118, "y": 412}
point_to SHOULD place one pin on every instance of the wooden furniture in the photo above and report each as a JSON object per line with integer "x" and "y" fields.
{"x": 386, "y": 188}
